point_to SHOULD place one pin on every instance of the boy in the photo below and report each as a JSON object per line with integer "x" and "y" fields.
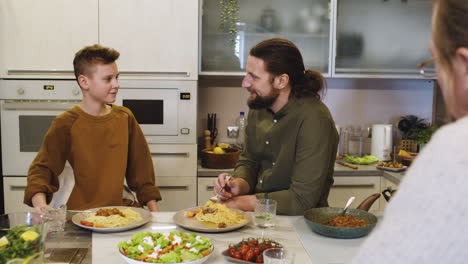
{"x": 102, "y": 142}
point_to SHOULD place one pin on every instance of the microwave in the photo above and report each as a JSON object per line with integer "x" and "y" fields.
{"x": 165, "y": 110}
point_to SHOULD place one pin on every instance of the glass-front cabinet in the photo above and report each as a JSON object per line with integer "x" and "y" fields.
{"x": 340, "y": 38}
{"x": 375, "y": 37}
{"x": 230, "y": 28}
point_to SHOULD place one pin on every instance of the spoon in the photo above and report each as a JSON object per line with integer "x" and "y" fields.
{"x": 350, "y": 201}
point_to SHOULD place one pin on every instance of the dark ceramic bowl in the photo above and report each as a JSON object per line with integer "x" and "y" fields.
{"x": 316, "y": 217}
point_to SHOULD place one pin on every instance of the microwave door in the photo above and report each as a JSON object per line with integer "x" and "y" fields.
{"x": 154, "y": 109}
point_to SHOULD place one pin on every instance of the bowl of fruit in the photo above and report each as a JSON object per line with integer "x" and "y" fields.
{"x": 391, "y": 166}
{"x": 223, "y": 156}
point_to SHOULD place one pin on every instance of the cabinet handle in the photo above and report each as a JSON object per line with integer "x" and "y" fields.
{"x": 17, "y": 188}
{"x": 353, "y": 186}
{"x": 209, "y": 188}
{"x": 18, "y": 105}
{"x": 174, "y": 187}
{"x": 170, "y": 154}
{"x": 39, "y": 72}
{"x": 156, "y": 73}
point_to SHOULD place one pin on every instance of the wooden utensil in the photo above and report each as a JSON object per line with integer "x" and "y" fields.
{"x": 346, "y": 164}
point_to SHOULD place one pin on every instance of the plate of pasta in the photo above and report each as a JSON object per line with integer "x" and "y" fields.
{"x": 211, "y": 218}
{"x": 112, "y": 218}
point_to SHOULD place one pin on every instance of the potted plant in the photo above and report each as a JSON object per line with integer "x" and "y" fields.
{"x": 229, "y": 16}
{"x": 422, "y": 136}
{"x": 415, "y": 130}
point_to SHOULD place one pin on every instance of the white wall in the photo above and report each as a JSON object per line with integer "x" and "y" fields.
{"x": 351, "y": 101}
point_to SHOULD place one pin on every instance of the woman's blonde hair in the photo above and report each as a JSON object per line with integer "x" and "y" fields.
{"x": 450, "y": 30}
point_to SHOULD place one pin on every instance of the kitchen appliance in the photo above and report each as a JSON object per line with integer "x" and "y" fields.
{"x": 382, "y": 140}
{"x": 166, "y": 111}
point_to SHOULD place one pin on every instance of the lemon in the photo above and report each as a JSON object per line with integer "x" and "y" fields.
{"x": 4, "y": 241}
{"x": 403, "y": 153}
{"x": 223, "y": 145}
{"x": 29, "y": 235}
{"x": 218, "y": 150}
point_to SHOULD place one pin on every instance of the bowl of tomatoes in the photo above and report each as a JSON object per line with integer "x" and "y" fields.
{"x": 249, "y": 250}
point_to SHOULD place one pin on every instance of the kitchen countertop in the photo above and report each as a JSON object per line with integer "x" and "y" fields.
{"x": 340, "y": 171}
{"x": 291, "y": 231}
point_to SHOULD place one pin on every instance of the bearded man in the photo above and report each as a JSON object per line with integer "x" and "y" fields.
{"x": 290, "y": 139}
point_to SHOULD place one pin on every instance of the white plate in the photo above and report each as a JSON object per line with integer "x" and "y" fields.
{"x": 197, "y": 261}
{"x": 193, "y": 224}
{"x": 392, "y": 169}
{"x": 145, "y": 218}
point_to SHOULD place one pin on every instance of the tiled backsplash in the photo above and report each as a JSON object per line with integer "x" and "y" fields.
{"x": 352, "y": 101}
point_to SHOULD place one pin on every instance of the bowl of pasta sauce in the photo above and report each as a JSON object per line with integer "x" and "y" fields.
{"x": 328, "y": 222}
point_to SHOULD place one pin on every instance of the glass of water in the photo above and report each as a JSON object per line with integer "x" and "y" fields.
{"x": 265, "y": 213}
{"x": 278, "y": 256}
{"x": 56, "y": 218}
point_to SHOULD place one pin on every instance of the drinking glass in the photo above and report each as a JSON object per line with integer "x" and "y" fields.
{"x": 56, "y": 218}
{"x": 278, "y": 256}
{"x": 26, "y": 239}
{"x": 265, "y": 213}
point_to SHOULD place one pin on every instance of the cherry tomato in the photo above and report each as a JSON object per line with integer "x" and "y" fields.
{"x": 237, "y": 255}
{"x": 250, "y": 255}
{"x": 259, "y": 259}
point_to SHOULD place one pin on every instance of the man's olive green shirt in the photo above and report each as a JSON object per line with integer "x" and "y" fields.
{"x": 289, "y": 156}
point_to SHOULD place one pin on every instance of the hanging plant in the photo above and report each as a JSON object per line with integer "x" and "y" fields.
{"x": 229, "y": 16}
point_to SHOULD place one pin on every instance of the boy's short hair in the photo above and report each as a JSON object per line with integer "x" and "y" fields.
{"x": 89, "y": 56}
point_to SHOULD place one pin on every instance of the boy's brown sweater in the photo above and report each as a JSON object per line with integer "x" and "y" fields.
{"x": 103, "y": 151}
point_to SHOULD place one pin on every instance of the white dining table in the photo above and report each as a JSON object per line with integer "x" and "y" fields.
{"x": 290, "y": 231}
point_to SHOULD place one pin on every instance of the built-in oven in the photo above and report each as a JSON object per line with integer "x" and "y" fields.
{"x": 26, "y": 112}
{"x": 167, "y": 114}
{"x": 166, "y": 111}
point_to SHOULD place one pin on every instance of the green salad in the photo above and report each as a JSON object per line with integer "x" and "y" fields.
{"x": 364, "y": 160}
{"x": 176, "y": 247}
{"x": 20, "y": 242}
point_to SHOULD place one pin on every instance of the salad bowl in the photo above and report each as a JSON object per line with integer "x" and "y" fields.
{"x": 134, "y": 246}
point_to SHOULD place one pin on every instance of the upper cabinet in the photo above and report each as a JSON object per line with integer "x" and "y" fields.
{"x": 341, "y": 38}
{"x": 382, "y": 37}
{"x": 227, "y": 38}
{"x": 39, "y": 38}
{"x": 157, "y": 39}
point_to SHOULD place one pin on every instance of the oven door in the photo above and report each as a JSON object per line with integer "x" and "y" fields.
{"x": 156, "y": 110}
{"x": 23, "y": 126}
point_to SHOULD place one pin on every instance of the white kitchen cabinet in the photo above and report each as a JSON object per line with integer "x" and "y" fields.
{"x": 156, "y": 38}
{"x": 334, "y": 36}
{"x": 359, "y": 186}
{"x": 171, "y": 160}
{"x": 177, "y": 193}
{"x": 13, "y": 191}
{"x": 305, "y": 22}
{"x": 205, "y": 189}
{"x": 38, "y": 39}
{"x": 389, "y": 41}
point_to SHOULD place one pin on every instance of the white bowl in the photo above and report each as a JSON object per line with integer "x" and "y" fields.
{"x": 197, "y": 261}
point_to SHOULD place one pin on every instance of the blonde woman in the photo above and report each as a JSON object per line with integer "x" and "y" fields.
{"x": 426, "y": 219}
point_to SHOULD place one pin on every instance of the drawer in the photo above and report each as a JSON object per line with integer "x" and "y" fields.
{"x": 13, "y": 191}
{"x": 205, "y": 189}
{"x": 177, "y": 193}
{"x": 174, "y": 159}
{"x": 359, "y": 186}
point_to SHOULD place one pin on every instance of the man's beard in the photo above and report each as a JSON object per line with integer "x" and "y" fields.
{"x": 262, "y": 102}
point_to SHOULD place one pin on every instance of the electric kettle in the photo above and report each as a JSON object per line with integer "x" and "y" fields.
{"x": 382, "y": 141}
